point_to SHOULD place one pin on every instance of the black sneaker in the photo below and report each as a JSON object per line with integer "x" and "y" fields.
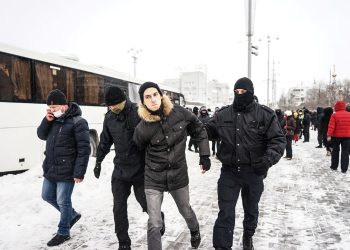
{"x": 162, "y": 231}
{"x": 75, "y": 219}
{"x": 57, "y": 240}
{"x": 247, "y": 242}
{"x": 333, "y": 168}
{"x": 195, "y": 238}
{"x": 319, "y": 146}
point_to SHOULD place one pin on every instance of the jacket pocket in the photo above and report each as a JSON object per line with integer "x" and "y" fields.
{"x": 64, "y": 167}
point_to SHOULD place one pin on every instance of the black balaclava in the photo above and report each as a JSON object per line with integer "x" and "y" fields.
{"x": 241, "y": 101}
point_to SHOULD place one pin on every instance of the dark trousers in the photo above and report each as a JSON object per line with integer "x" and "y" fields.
{"x": 344, "y": 158}
{"x": 121, "y": 191}
{"x": 306, "y": 131}
{"x": 289, "y": 151}
{"x": 319, "y": 137}
{"x": 213, "y": 146}
{"x": 326, "y": 143}
{"x": 229, "y": 185}
{"x": 194, "y": 143}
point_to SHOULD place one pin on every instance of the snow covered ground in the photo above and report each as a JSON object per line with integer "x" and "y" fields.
{"x": 305, "y": 205}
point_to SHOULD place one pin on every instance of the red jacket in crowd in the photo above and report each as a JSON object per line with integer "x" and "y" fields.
{"x": 339, "y": 124}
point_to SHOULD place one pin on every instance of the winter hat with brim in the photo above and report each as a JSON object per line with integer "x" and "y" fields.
{"x": 244, "y": 83}
{"x": 147, "y": 85}
{"x": 56, "y": 97}
{"x": 114, "y": 95}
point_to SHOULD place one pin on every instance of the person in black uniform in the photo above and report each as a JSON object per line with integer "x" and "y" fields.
{"x": 251, "y": 142}
{"x": 118, "y": 129}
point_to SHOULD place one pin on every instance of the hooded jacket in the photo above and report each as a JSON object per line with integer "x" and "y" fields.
{"x": 164, "y": 140}
{"x": 67, "y": 145}
{"x": 118, "y": 129}
{"x": 339, "y": 124}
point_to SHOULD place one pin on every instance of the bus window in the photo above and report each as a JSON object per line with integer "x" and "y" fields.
{"x": 15, "y": 78}
{"x": 90, "y": 89}
{"x": 50, "y": 77}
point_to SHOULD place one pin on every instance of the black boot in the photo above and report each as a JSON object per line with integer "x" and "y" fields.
{"x": 124, "y": 246}
{"x": 57, "y": 240}
{"x": 247, "y": 242}
{"x": 162, "y": 231}
{"x": 195, "y": 238}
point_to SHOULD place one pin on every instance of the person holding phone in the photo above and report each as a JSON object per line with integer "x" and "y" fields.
{"x": 66, "y": 158}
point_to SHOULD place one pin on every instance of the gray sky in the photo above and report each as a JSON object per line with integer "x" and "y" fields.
{"x": 182, "y": 34}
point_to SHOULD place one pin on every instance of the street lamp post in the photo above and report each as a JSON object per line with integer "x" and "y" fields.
{"x": 134, "y": 52}
{"x": 268, "y": 71}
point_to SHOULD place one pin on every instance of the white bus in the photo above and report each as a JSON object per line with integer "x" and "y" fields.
{"x": 27, "y": 77}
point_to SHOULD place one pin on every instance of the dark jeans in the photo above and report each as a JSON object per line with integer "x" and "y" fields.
{"x": 289, "y": 151}
{"x": 229, "y": 185}
{"x": 154, "y": 200}
{"x": 344, "y": 158}
{"x": 121, "y": 191}
{"x": 306, "y": 132}
{"x": 59, "y": 194}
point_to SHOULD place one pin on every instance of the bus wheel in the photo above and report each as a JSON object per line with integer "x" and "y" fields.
{"x": 93, "y": 145}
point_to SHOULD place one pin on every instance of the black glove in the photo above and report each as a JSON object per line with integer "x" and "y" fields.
{"x": 261, "y": 167}
{"x": 97, "y": 169}
{"x": 205, "y": 162}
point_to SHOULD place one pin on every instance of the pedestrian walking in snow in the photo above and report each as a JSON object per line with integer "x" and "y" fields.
{"x": 339, "y": 134}
{"x": 324, "y": 129}
{"x": 251, "y": 142}
{"x": 317, "y": 124}
{"x": 66, "y": 158}
{"x": 162, "y": 132}
{"x": 306, "y": 125}
{"x": 118, "y": 129}
{"x": 289, "y": 126}
{"x": 192, "y": 141}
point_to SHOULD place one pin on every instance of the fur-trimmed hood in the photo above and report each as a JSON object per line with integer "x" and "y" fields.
{"x": 148, "y": 117}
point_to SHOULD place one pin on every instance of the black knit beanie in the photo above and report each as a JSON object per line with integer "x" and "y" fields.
{"x": 244, "y": 83}
{"x": 114, "y": 95}
{"x": 147, "y": 85}
{"x": 56, "y": 97}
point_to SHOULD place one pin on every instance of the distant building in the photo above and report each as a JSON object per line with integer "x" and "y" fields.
{"x": 218, "y": 94}
{"x": 296, "y": 96}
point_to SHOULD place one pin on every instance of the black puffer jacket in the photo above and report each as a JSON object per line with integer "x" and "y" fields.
{"x": 165, "y": 142}
{"x": 67, "y": 145}
{"x": 118, "y": 129}
{"x": 247, "y": 136}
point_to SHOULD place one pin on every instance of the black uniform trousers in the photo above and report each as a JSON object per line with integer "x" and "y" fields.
{"x": 229, "y": 186}
{"x": 121, "y": 191}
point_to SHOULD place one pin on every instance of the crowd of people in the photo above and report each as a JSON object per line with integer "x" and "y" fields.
{"x": 332, "y": 126}
{"x": 149, "y": 141}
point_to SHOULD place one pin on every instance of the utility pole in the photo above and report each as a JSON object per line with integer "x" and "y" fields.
{"x": 134, "y": 52}
{"x": 268, "y": 71}
{"x": 250, "y": 31}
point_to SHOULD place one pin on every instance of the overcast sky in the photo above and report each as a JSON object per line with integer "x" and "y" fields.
{"x": 183, "y": 34}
